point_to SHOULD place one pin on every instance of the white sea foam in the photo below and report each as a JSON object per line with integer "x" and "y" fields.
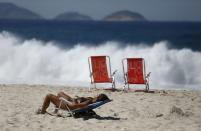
{"x": 36, "y": 62}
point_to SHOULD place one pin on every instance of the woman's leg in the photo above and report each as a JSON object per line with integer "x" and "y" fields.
{"x": 51, "y": 98}
{"x": 67, "y": 97}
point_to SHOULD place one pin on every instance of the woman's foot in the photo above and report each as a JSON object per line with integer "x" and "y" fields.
{"x": 39, "y": 111}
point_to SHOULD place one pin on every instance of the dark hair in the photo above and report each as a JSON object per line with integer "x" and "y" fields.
{"x": 102, "y": 97}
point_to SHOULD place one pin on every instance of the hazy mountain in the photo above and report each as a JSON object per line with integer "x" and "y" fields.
{"x": 124, "y": 15}
{"x": 72, "y": 16}
{"x": 11, "y": 11}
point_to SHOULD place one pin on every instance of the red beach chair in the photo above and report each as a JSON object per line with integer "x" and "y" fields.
{"x": 99, "y": 66}
{"x": 135, "y": 73}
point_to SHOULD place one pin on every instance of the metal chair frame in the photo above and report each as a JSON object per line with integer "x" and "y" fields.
{"x": 73, "y": 112}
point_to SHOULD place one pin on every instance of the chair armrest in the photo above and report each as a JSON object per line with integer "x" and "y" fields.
{"x": 148, "y": 75}
{"x": 114, "y": 73}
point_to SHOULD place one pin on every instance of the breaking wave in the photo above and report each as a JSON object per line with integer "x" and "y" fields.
{"x": 37, "y": 62}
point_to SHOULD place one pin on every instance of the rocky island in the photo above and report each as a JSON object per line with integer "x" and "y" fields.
{"x": 124, "y": 15}
{"x": 11, "y": 11}
{"x": 72, "y": 16}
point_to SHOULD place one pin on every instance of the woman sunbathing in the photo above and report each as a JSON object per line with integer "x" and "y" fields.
{"x": 72, "y": 103}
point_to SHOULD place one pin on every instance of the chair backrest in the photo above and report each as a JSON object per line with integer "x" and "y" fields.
{"x": 136, "y": 71}
{"x": 99, "y": 69}
{"x": 91, "y": 106}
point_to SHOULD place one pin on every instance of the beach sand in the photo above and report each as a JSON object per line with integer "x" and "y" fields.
{"x": 129, "y": 111}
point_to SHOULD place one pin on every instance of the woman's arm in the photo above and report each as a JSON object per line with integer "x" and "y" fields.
{"x": 79, "y": 105}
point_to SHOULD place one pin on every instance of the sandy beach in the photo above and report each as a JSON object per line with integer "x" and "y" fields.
{"x": 129, "y": 111}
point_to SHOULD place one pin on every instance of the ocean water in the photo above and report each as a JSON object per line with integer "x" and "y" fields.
{"x": 52, "y": 52}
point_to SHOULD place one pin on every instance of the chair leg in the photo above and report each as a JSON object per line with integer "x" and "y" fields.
{"x": 90, "y": 87}
{"x": 124, "y": 87}
{"x": 113, "y": 85}
{"x": 147, "y": 87}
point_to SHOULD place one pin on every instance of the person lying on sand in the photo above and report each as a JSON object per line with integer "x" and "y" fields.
{"x": 73, "y": 103}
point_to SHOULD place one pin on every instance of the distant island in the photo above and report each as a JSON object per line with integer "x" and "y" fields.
{"x": 124, "y": 15}
{"x": 11, "y": 11}
{"x": 72, "y": 16}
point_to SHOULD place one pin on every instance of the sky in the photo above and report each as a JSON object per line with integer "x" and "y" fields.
{"x": 156, "y": 10}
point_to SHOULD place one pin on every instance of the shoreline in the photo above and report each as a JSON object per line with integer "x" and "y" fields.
{"x": 101, "y": 87}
